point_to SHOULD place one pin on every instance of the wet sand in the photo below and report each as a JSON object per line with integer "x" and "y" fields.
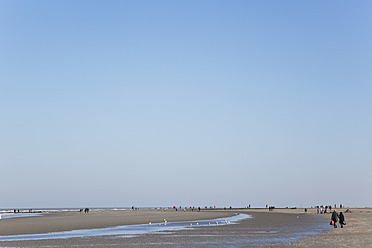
{"x": 357, "y": 233}
{"x": 265, "y": 229}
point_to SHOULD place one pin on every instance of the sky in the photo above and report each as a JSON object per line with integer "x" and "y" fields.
{"x": 185, "y": 103}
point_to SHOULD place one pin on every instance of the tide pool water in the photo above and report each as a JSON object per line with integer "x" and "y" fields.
{"x": 128, "y": 230}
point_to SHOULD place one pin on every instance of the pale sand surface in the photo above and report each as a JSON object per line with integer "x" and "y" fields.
{"x": 357, "y": 232}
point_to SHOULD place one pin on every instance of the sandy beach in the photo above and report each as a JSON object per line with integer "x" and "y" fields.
{"x": 265, "y": 229}
{"x": 357, "y": 233}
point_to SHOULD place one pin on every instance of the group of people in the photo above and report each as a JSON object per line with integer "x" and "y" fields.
{"x": 323, "y": 209}
{"x": 337, "y": 217}
{"x": 85, "y": 210}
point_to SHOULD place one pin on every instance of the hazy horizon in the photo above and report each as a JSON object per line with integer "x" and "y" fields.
{"x": 185, "y": 103}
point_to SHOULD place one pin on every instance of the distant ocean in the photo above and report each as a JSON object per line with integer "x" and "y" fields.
{"x": 34, "y": 210}
{"x": 23, "y": 212}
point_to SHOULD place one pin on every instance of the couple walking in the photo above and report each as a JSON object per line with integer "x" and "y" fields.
{"x": 337, "y": 217}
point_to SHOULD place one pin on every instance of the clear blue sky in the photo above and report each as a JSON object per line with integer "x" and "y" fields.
{"x": 162, "y": 103}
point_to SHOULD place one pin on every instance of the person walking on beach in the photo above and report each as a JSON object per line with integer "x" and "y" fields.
{"x": 334, "y": 218}
{"x": 341, "y": 218}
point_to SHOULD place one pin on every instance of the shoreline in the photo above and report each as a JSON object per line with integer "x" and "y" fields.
{"x": 68, "y": 221}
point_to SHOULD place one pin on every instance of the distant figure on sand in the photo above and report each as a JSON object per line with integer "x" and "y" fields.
{"x": 342, "y": 219}
{"x": 334, "y": 219}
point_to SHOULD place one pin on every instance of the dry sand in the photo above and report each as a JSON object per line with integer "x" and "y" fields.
{"x": 357, "y": 232}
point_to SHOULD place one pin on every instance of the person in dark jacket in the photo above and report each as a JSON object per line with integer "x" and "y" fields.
{"x": 341, "y": 219}
{"x": 334, "y": 218}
